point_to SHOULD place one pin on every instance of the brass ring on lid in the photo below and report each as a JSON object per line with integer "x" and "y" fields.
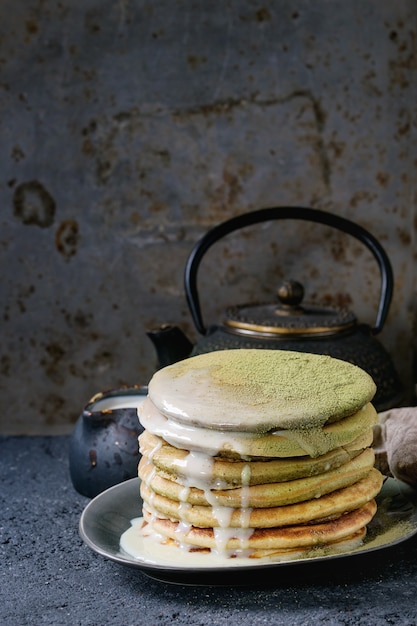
{"x": 288, "y": 316}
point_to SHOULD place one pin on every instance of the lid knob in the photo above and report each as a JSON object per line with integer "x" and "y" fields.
{"x": 290, "y": 293}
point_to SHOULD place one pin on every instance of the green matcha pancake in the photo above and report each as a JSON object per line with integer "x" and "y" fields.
{"x": 260, "y": 390}
{"x": 226, "y": 472}
{"x": 264, "y": 495}
{"x": 296, "y": 536}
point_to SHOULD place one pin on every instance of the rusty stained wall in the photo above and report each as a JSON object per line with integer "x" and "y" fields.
{"x": 130, "y": 128}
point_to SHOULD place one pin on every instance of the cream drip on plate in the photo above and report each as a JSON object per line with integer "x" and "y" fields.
{"x": 151, "y": 549}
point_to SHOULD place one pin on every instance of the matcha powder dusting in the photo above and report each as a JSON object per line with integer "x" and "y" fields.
{"x": 262, "y": 390}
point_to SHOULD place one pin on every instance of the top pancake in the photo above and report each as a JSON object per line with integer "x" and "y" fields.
{"x": 260, "y": 390}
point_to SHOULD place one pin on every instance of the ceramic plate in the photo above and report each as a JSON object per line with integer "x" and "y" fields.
{"x": 109, "y": 515}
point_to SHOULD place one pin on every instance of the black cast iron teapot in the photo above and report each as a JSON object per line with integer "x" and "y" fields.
{"x": 289, "y": 324}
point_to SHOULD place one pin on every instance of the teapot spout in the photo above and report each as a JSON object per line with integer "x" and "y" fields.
{"x": 170, "y": 343}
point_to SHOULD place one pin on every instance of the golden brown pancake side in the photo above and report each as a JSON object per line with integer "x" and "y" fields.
{"x": 172, "y": 463}
{"x": 264, "y": 495}
{"x": 332, "y": 504}
{"x": 287, "y": 537}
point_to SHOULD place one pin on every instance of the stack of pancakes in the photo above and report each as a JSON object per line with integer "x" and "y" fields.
{"x": 258, "y": 453}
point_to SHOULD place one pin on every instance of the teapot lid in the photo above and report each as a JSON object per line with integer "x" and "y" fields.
{"x": 288, "y": 316}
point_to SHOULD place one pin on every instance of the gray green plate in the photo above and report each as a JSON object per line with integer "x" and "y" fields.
{"x": 109, "y": 514}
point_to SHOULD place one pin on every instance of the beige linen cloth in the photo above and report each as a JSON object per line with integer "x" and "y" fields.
{"x": 395, "y": 444}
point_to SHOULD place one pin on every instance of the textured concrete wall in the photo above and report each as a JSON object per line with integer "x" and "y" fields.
{"x": 128, "y": 128}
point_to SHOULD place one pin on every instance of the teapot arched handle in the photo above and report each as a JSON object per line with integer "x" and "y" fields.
{"x": 278, "y": 213}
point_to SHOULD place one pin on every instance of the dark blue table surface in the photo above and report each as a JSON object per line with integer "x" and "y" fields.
{"x": 49, "y": 576}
